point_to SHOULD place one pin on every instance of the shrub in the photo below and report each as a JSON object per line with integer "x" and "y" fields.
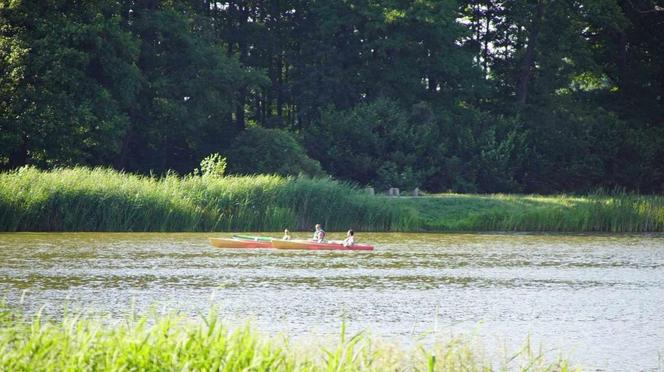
{"x": 270, "y": 151}
{"x": 377, "y": 143}
{"x": 213, "y": 165}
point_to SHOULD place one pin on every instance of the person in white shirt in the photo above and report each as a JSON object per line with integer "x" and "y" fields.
{"x": 350, "y": 238}
{"x": 319, "y": 234}
{"x": 286, "y": 235}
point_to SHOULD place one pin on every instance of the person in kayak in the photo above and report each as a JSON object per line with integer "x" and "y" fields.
{"x": 350, "y": 238}
{"x": 286, "y": 235}
{"x": 319, "y": 234}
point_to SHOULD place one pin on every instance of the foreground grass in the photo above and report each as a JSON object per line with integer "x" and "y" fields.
{"x": 83, "y": 199}
{"x": 171, "y": 343}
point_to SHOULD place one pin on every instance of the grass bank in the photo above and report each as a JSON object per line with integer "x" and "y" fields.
{"x": 82, "y": 199}
{"x": 171, "y": 343}
{"x": 561, "y": 213}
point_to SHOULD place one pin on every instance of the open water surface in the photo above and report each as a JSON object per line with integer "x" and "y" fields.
{"x": 596, "y": 299}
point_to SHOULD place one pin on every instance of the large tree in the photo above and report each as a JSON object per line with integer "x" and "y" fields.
{"x": 188, "y": 89}
{"x": 68, "y": 78}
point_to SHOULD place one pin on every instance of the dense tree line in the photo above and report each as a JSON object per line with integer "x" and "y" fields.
{"x": 468, "y": 95}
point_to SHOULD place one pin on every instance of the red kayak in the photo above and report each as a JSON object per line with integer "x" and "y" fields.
{"x": 312, "y": 245}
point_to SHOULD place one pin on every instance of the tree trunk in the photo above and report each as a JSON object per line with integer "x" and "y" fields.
{"x": 485, "y": 51}
{"x": 19, "y": 156}
{"x": 122, "y": 159}
{"x": 622, "y": 62}
{"x": 239, "y": 109}
{"x": 279, "y": 84}
{"x": 529, "y": 58}
{"x": 243, "y": 50}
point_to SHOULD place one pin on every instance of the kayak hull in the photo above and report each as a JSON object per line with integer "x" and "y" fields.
{"x": 315, "y": 246}
{"x": 251, "y": 237}
{"x": 236, "y": 243}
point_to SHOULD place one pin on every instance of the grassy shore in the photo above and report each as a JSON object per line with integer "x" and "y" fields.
{"x": 561, "y": 213}
{"x": 171, "y": 343}
{"x": 82, "y": 199}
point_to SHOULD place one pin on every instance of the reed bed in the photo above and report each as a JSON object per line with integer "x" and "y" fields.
{"x": 84, "y": 199}
{"x": 175, "y": 343}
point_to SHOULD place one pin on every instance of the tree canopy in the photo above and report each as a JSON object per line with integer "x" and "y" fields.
{"x": 469, "y": 95}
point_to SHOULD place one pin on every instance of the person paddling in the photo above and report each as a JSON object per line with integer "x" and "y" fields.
{"x": 350, "y": 238}
{"x": 319, "y": 234}
{"x": 286, "y": 235}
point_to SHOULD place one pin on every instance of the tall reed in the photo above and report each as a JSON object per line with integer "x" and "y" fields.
{"x": 172, "y": 343}
{"x": 83, "y": 199}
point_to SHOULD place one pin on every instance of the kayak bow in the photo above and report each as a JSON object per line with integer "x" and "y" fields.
{"x": 238, "y": 243}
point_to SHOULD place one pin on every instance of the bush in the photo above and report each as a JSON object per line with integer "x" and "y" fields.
{"x": 377, "y": 143}
{"x": 212, "y": 165}
{"x": 270, "y": 151}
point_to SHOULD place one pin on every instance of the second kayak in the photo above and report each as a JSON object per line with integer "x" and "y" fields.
{"x": 312, "y": 245}
{"x": 239, "y": 243}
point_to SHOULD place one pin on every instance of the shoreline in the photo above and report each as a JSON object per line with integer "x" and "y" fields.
{"x": 104, "y": 200}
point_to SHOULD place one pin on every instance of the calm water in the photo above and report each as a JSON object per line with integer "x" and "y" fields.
{"x": 596, "y": 299}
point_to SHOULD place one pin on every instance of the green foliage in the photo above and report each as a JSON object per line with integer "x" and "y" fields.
{"x": 356, "y": 52}
{"x": 68, "y": 78}
{"x": 158, "y": 343}
{"x": 270, "y": 151}
{"x": 376, "y": 143}
{"x": 461, "y": 149}
{"x": 213, "y": 165}
{"x": 470, "y": 96}
{"x": 583, "y": 89}
{"x": 188, "y": 93}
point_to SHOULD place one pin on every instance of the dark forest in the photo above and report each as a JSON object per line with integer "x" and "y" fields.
{"x": 538, "y": 96}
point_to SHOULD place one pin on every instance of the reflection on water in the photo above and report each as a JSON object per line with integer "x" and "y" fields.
{"x": 598, "y": 299}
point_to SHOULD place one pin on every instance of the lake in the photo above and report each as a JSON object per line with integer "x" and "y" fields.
{"x": 596, "y": 299}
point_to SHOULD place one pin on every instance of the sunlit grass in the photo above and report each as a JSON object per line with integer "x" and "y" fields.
{"x": 592, "y": 213}
{"x": 175, "y": 343}
{"x": 83, "y": 199}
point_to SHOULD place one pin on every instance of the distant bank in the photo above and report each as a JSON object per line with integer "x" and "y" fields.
{"x": 83, "y": 199}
